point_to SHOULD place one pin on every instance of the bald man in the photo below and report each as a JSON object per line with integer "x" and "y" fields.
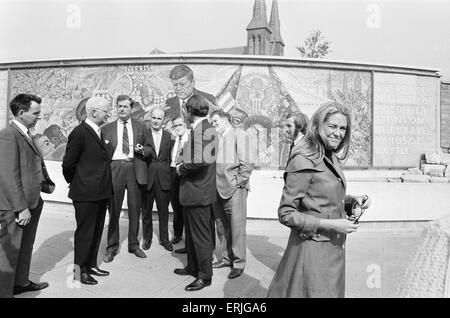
{"x": 157, "y": 150}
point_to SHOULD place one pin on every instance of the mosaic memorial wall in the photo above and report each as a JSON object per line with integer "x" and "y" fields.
{"x": 405, "y": 119}
{"x": 257, "y": 97}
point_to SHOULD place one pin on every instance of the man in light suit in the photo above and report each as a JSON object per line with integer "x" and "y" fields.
{"x": 129, "y": 171}
{"x": 198, "y": 193}
{"x": 234, "y": 166}
{"x": 86, "y": 167}
{"x": 183, "y": 82}
{"x": 21, "y": 176}
{"x": 157, "y": 151}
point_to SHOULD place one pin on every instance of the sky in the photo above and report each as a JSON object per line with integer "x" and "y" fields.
{"x": 396, "y": 32}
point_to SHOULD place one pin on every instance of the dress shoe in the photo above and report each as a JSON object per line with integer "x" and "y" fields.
{"x": 138, "y": 252}
{"x": 167, "y": 245}
{"x": 198, "y": 284}
{"x": 146, "y": 245}
{"x": 29, "y": 287}
{"x": 181, "y": 250}
{"x": 220, "y": 264}
{"x": 97, "y": 271}
{"x": 184, "y": 272}
{"x": 87, "y": 279}
{"x": 235, "y": 272}
{"x": 176, "y": 239}
{"x": 109, "y": 256}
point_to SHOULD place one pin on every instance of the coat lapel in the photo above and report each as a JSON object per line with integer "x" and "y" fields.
{"x": 114, "y": 140}
{"x": 94, "y": 135}
{"x": 30, "y": 143}
{"x": 336, "y": 169}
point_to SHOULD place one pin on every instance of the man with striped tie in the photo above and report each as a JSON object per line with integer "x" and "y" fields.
{"x": 129, "y": 172}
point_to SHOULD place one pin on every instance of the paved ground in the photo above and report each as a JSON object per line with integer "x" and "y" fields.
{"x": 377, "y": 256}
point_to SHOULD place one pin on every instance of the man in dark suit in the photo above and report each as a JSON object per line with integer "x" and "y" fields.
{"x": 21, "y": 175}
{"x": 86, "y": 167}
{"x": 183, "y": 82}
{"x": 198, "y": 193}
{"x": 157, "y": 151}
{"x": 129, "y": 172}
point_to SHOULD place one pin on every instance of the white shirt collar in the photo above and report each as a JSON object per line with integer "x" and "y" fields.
{"x": 157, "y": 131}
{"x": 93, "y": 126}
{"x": 22, "y": 127}
{"x": 197, "y": 122}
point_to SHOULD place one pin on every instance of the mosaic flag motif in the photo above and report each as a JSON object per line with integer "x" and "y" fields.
{"x": 258, "y": 98}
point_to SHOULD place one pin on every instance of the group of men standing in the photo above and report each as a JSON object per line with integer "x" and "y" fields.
{"x": 203, "y": 172}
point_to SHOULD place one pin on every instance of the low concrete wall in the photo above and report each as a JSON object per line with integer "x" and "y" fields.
{"x": 391, "y": 201}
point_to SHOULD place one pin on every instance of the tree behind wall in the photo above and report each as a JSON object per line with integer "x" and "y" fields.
{"x": 315, "y": 46}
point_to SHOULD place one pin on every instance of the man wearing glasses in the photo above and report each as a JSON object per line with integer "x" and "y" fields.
{"x": 86, "y": 167}
{"x": 129, "y": 172}
{"x": 183, "y": 82}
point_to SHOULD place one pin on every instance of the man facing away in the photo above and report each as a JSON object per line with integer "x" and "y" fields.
{"x": 129, "y": 172}
{"x": 21, "y": 175}
{"x": 157, "y": 151}
{"x": 234, "y": 166}
{"x": 86, "y": 167}
{"x": 181, "y": 136}
{"x": 198, "y": 193}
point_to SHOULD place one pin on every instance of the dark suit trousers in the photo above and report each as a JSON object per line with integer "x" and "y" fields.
{"x": 124, "y": 177}
{"x": 162, "y": 204}
{"x": 199, "y": 229}
{"x": 90, "y": 217}
{"x": 178, "y": 222}
{"x": 15, "y": 262}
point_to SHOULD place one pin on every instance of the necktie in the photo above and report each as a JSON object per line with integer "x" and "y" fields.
{"x": 125, "y": 142}
{"x": 179, "y": 150}
{"x": 183, "y": 109}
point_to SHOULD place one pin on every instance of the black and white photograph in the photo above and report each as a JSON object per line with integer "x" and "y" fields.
{"x": 224, "y": 149}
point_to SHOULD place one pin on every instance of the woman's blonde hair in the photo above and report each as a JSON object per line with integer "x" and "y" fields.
{"x": 312, "y": 145}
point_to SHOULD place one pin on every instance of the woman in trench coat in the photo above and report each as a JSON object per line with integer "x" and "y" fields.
{"x": 314, "y": 205}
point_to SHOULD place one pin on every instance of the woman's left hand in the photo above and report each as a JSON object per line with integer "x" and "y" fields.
{"x": 364, "y": 201}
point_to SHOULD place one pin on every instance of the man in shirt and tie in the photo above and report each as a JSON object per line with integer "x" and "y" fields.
{"x": 21, "y": 175}
{"x": 157, "y": 150}
{"x": 86, "y": 167}
{"x": 129, "y": 171}
{"x": 181, "y": 136}
{"x": 183, "y": 82}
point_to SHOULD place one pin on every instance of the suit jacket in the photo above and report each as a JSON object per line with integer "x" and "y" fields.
{"x": 173, "y": 107}
{"x": 235, "y": 162}
{"x": 198, "y": 170}
{"x": 20, "y": 171}
{"x": 86, "y": 165}
{"x": 140, "y": 166}
{"x": 158, "y": 165}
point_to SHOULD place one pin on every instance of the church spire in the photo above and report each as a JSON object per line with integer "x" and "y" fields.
{"x": 276, "y": 40}
{"x": 258, "y": 31}
{"x": 259, "y": 19}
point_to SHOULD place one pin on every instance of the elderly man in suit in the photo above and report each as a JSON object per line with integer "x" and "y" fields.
{"x": 86, "y": 167}
{"x": 198, "y": 193}
{"x": 129, "y": 171}
{"x": 183, "y": 82}
{"x": 235, "y": 163}
{"x": 157, "y": 151}
{"x": 21, "y": 175}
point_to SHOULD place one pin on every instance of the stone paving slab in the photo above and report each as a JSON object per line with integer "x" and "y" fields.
{"x": 376, "y": 258}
